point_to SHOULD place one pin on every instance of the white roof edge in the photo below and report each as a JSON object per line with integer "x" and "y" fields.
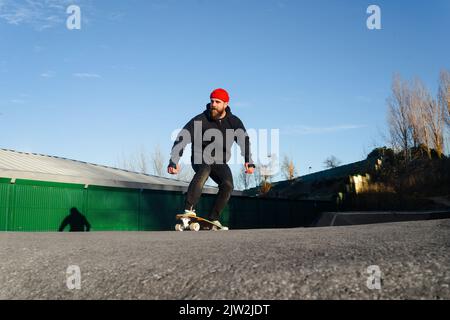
{"x": 14, "y": 175}
{"x": 167, "y": 184}
{"x": 97, "y": 182}
{"x": 86, "y": 163}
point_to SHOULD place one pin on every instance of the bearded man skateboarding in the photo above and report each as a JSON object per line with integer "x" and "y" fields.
{"x": 212, "y": 133}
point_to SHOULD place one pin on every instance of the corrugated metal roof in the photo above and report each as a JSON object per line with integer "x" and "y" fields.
{"x": 22, "y": 165}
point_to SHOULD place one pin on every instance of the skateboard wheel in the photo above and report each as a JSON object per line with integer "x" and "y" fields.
{"x": 194, "y": 226}
{"x": 179, "y": 227}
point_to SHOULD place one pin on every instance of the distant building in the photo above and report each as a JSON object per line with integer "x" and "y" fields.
{"x": 326, "y": 184}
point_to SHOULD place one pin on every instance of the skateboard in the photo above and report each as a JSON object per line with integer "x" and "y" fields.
{"x": 189, "y": 222}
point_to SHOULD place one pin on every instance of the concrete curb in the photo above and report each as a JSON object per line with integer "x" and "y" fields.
{"x": 328, "y": 219}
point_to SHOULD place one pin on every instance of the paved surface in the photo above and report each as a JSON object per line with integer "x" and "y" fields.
{"x": 314, "y": 263}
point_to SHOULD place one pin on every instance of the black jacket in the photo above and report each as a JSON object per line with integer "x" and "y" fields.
{"x": 199, "y": 143}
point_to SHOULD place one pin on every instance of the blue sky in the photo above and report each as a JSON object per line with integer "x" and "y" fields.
{"x": 137, "y": 70}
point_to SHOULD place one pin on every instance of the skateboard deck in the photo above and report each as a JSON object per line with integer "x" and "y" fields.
{"x": 195, "y": 223}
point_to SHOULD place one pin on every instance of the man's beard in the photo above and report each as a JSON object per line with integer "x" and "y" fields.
{"x": 215, "y": 113}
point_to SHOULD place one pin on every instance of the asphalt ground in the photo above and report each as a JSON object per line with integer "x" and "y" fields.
{"x": 413, "y": 260}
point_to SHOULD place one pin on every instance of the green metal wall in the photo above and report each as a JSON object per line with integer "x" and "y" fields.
{"x": 113, "y": 208}
{"x": 41, "y": 206}
{"x": 4, "y": 202}
{"x": 158, "y": 209}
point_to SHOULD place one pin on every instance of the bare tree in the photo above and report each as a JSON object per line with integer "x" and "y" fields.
{"x": 419, "y": 116}
{"x": 416, "y": 112}
{"x": 264, "y": 173}
{"x": 137, "y": 161}
{"x": 257, "y": 175}
{"x": 127, "y": 162}
{"x": 288, "y": 168}
{"x": 122, "y": 162}
{"x": 398, "y": 115}
{"x": 243, "y": 179}
{"x": 142, "y": 161}
{"x": 436, "y": 114}
{"x": 436, "y": 122}
{"x": 444, "y": 94}
{"x": 260, "y": 174}
{"x": 158, "y": 161}
{"x": 331, "y": 162}
{"x": 270, "y": 169}
{"x": 415, "y": 117}
{"x": 264, "y": 177}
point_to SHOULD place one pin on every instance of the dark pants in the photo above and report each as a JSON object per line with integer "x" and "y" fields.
{"x": 220, "y": 174}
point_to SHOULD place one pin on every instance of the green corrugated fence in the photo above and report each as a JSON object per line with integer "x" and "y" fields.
{"x": 27, "y": 205}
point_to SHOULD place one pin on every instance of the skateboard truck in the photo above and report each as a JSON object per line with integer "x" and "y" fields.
{"x": 185, "y": 225}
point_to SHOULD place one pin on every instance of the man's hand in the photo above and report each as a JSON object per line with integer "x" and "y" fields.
{"x": 249, "y": 168}
{"x": 172, "y": 170}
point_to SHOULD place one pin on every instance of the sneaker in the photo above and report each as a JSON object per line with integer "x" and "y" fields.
{"x": 218, "y": 226}
{"x": 190, "y": 213}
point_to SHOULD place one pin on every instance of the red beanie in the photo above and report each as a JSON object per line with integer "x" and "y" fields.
{"x": 220, "y": 94}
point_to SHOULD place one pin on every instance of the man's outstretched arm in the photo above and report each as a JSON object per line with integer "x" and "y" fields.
{"x": 87, "y": 225}
{"x": 63, "y": 224}
{"x": 243, "y": 140}
{"x": 183, "y": 139}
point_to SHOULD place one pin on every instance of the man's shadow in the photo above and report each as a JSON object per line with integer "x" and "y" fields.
{"x": 77, "y": 222}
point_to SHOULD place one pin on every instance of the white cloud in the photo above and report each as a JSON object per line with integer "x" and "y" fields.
{"x": 17, "y": 15}
{"x": 38, "y": 49}
{"x": 40, "y": 14}
{"x": 48, "y": 74}
{"x": 86, "y": 75}
{"x": 306, "y": 130}
{"x": 17, "y": 101}
{"x": 116, "y": 16}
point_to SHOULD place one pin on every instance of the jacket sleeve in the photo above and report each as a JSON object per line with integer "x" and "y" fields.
{"x": 182, "y": 140}
{"x": 244, "y": 143}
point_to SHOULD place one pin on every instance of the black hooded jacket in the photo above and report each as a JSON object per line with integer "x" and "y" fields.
{"x": 191, "y": 134}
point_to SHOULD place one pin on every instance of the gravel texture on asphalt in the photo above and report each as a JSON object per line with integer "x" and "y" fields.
{"x": 301, "y": 263}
